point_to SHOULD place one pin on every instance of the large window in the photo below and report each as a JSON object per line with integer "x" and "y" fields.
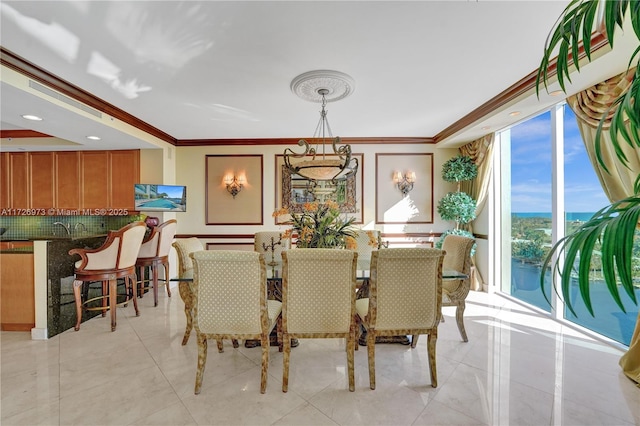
{"x": 534, "y": 179}
{"x": 531, "y": 203}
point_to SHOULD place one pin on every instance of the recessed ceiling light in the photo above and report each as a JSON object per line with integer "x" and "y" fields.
{"x": 94, "y": 138}
{"x": 31, "y": 117}
{"x": 486, "y": 127}
{"x": 514, "y": 113}
{"x": 556, "y": 93}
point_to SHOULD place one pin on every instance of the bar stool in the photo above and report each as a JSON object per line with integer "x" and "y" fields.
{"x": 153, "y": 253}
{"x": 115, "y": 259}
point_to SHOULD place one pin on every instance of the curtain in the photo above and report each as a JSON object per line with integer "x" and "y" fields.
{"x": 589, "y": 106}
{"x": 480, "y": 152}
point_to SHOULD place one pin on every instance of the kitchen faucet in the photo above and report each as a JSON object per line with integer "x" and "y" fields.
{"x": 79, "y": 224}
{"x": 64, "y": 225}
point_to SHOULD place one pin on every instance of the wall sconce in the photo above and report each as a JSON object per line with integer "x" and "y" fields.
{"x": 404, "y": 182}
{"x": 234, "y": 184}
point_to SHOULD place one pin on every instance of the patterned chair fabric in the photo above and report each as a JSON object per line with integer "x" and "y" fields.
{"x": 184, "y": 247}
{"x": 405, "y": 297}
{"x": 230, "y": 299}
{"x": 454, "y": 292}
{"x": 265, "y": 238}
{"x": 154, "y": 253}
{"x": 318, "y": 300}
{"x": 115, "y": 259}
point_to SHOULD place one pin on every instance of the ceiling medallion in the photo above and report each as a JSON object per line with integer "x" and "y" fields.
{"x": 322, "y": 86}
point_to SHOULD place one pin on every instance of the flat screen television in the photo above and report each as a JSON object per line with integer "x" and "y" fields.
{"x": 160, "y": 198}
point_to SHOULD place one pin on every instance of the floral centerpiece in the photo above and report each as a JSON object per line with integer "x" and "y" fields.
{"x": 320, "y": 225}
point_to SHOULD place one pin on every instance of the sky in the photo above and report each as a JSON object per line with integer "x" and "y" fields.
{"x": 531, "y": 168}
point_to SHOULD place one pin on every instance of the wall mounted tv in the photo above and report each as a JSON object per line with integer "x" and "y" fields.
{"x": 160, "y": 198}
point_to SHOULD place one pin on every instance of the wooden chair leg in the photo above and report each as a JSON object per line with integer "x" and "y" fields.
{"x": 431, "y": 349}
{"x": 351, "y": 342}
{"x": 202, "y": 361}
{"x": 154, "y": 279}
{"x": 141, "y": 271}
{"x": 371, "y": 356}
{"x": 166, "y": 277}
{"x": 105, "y": 292}
{"x": 220, "y": 345}
{"x": 264, "y": 341}
{"x": 285, "y": 361}
{"x": 460, "y": 320}
{"x": 77, "y": 288}
{"x": 113, "y": 302}
{"x": 132, "y": 291}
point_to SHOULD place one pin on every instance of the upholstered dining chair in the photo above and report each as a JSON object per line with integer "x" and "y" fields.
{"x": 271, "y": 244}
{"x": 154, "y": 253}
{"x": 115, "y": 259}
{"x": 230, "y": 302}
{"x": 184, "y": 247}
{"x": 318, "y": 300}
{"x": 405, "y": 296}
{"x": 455, "y": 291}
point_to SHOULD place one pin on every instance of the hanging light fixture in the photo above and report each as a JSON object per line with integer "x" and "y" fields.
{"x": 322, "y": 86}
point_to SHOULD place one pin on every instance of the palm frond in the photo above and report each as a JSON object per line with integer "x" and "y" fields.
{"x": 614, "y": 227}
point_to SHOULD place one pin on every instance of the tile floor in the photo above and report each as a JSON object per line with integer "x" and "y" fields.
{"x": 518, "y": 368}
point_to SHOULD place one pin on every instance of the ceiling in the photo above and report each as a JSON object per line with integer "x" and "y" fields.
{"x": 201, "y": 71}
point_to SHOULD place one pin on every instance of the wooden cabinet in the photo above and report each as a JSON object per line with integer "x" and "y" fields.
{"x": 125, "y": 173}
{"x": 19, "y": 180}
{"x": 42, "y": 184}
{"x": 69, "y": 180}
{"x": 17, "y": 295}
{"x": 4, "y": 180}
{"x": 67, "y": 176}
{"x": 94, "y": 178}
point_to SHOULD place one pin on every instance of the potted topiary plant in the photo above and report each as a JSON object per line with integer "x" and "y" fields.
{"x": 457, "y": 206}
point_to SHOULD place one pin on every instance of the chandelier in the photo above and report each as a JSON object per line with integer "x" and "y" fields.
{"x": 322, "y": 86}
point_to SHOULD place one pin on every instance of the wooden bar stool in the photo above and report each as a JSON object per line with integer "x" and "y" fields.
{"x": 114, "y": 260}
{"x": 154, "y": 252}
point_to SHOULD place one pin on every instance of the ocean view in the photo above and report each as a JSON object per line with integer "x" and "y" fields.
{"x": 570, "y": 216}
{"x": 529, "y": 247}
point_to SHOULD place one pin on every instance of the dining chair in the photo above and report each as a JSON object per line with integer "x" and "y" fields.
{"x": 318, "y": 300}
{"x": 455, "y": 291}
{"x": 114, "y": 260}
{"x": 405, "y": 296}
{"x": 154, "y": 252}
{"x": 230, "y": 302}
{"x": 271, "y": 244}
{"x": 366, "y": 242}
{"x": 184, "y": 247}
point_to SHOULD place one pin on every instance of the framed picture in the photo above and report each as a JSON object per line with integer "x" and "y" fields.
{"x": 292, "y": 191}
{"x": 233, "y": 190}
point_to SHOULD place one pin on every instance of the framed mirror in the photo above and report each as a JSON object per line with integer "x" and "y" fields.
{"x": 294, "y": 190}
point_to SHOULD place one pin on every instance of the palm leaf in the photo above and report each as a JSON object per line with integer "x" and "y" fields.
{"x": 614, "y": 226}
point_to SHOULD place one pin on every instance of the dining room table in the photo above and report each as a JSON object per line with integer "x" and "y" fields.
{"x": 274, "y": 292}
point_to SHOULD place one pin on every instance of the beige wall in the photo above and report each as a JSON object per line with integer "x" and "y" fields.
{"x": 190, "y": 171}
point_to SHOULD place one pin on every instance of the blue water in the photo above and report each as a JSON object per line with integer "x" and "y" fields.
{"x": 161, "y": 203}
{"x": 609, "y": 320}
{"x": 570, "y": 216}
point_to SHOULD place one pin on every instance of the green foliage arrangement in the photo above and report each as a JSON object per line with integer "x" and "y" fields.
{"x": 459, "y": 168}
{"x": 615, "y": 226}
{"x": 320, "y": 225}
{"x": 458, "y": 207}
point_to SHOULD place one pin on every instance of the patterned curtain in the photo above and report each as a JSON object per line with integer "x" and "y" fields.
{"x": 480, "y": 152}
{"x": 589, "y": 106}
